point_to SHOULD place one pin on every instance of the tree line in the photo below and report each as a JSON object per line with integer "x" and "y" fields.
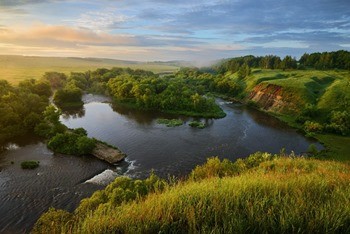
{"x": 321, "y": 61}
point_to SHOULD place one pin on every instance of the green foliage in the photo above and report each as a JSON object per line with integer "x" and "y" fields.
{"x": 310, "y": 126}
{"x": 50, "y": 124}
{"x": 312, "y": 149}
{"x": 170, "y": 122}
{"x": 216, "y": 168}
{"x": 29, "y": 164}
{"x": 71, "y": 143}
{"x": 70, "y": 94}
{"x": 170, "y": 94}
{"x": 80, "y": 131}
{"x": 122, "y": 190}
{"x": 53, "y": 220}
{"x": 57, "y": 80}
{"x": 197, "y": 124}
{"x": 85, "y": 145}
{"x": 52, "y": 114}
{"x": 41, "y": 88}
{"x": 20, "y": 108}
{"x": 244, "y": 71}
{"x": 327, "y": 60}
{"x": 277, "y": 195}
{"x": 288, "y": 63}
{"x": 339, "y": 123}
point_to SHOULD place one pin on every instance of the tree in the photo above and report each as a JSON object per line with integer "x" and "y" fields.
{"x": 288, "y": 63}
{"x": 56, "y": 79}
{"x": 52, "y": 114}
{"x": 244, "y": 71}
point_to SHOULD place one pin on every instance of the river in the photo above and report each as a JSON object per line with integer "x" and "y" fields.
{"x": 62, "y": 181}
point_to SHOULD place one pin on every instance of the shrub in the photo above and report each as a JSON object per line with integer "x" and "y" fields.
{"x": 339, "y": 123}
{"x": 310, "y": 126}
{"x": 216, "y": 168}
{"x": 85, "y": 145}
{"x": 312, "y": 149}
{"x": 71, "y": 143}
{"x": 80, "y": 131}
{"x": 197, "y": 124}
{"x": 30, "y": 164}
{"x": 52, "y": 220}
{"x": 170, "y": 122}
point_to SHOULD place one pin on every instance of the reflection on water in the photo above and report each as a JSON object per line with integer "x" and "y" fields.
{"x": 143, "y": 117}
{"x": 73, "y": 112}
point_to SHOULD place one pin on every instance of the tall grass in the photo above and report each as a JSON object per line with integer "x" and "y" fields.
{"x": 269, "y": 194}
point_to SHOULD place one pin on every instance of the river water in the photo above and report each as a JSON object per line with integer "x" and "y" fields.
{"x": 62, "y": 181}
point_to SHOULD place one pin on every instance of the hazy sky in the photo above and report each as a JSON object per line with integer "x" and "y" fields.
{"x": 172, "y": 29}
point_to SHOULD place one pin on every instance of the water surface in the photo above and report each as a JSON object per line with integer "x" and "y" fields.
{"x": 177, "y": 150}
{"x": 60, "y": 179}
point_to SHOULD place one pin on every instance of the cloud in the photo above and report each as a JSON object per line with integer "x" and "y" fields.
{"x": 56, "y": 40}
{"x": 102, "y": 20}
{"x": 59, "y": 36}
{"x": 189, "y": 28}
{"x": 10, "y": 3}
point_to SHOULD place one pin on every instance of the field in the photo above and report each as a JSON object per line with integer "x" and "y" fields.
{"x": 15, "y": 68}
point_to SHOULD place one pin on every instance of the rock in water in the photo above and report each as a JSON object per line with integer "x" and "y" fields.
{"x": 108, "y": 153}
{"x": 103, "y": 178}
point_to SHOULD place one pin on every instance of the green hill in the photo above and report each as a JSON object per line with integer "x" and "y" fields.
{"x": 260, "y": 194}
{"x": 328, "y": 90}
{"x": 15, "y": 68}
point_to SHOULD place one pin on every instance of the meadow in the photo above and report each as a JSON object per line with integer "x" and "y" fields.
{"x": 15, "y": 68}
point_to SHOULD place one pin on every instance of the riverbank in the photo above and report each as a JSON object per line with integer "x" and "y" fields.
{"x": 336, "y": 147}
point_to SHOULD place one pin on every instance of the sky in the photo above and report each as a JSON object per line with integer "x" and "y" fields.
{"x": 163, "y": 30}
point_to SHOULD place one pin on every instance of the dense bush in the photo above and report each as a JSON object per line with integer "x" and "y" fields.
{"x": 310, "y": 126}
{"x": 167, "y": 94}
{"x": 52, "y": 220}
{"x": 21, "y": 107}
{"x": 197, "y": 124}
{"x": 71, "y": 143}
{"x": 50, "y": 124}
{"x": 216, "y": 168}
{"x": 69, "y": 95}
{"x": 339, "y": 123}
{"x": 29, "y": 164}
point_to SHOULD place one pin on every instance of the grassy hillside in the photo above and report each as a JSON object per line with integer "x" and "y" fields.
{"x": 328, "y": 90}
{"x": 263, "y": 193}
{"x": 16, "y": 68}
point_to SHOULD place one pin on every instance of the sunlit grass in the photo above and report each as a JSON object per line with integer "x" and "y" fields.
{"x": 280, "y": 195}
{"x": 17, "y": 68}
